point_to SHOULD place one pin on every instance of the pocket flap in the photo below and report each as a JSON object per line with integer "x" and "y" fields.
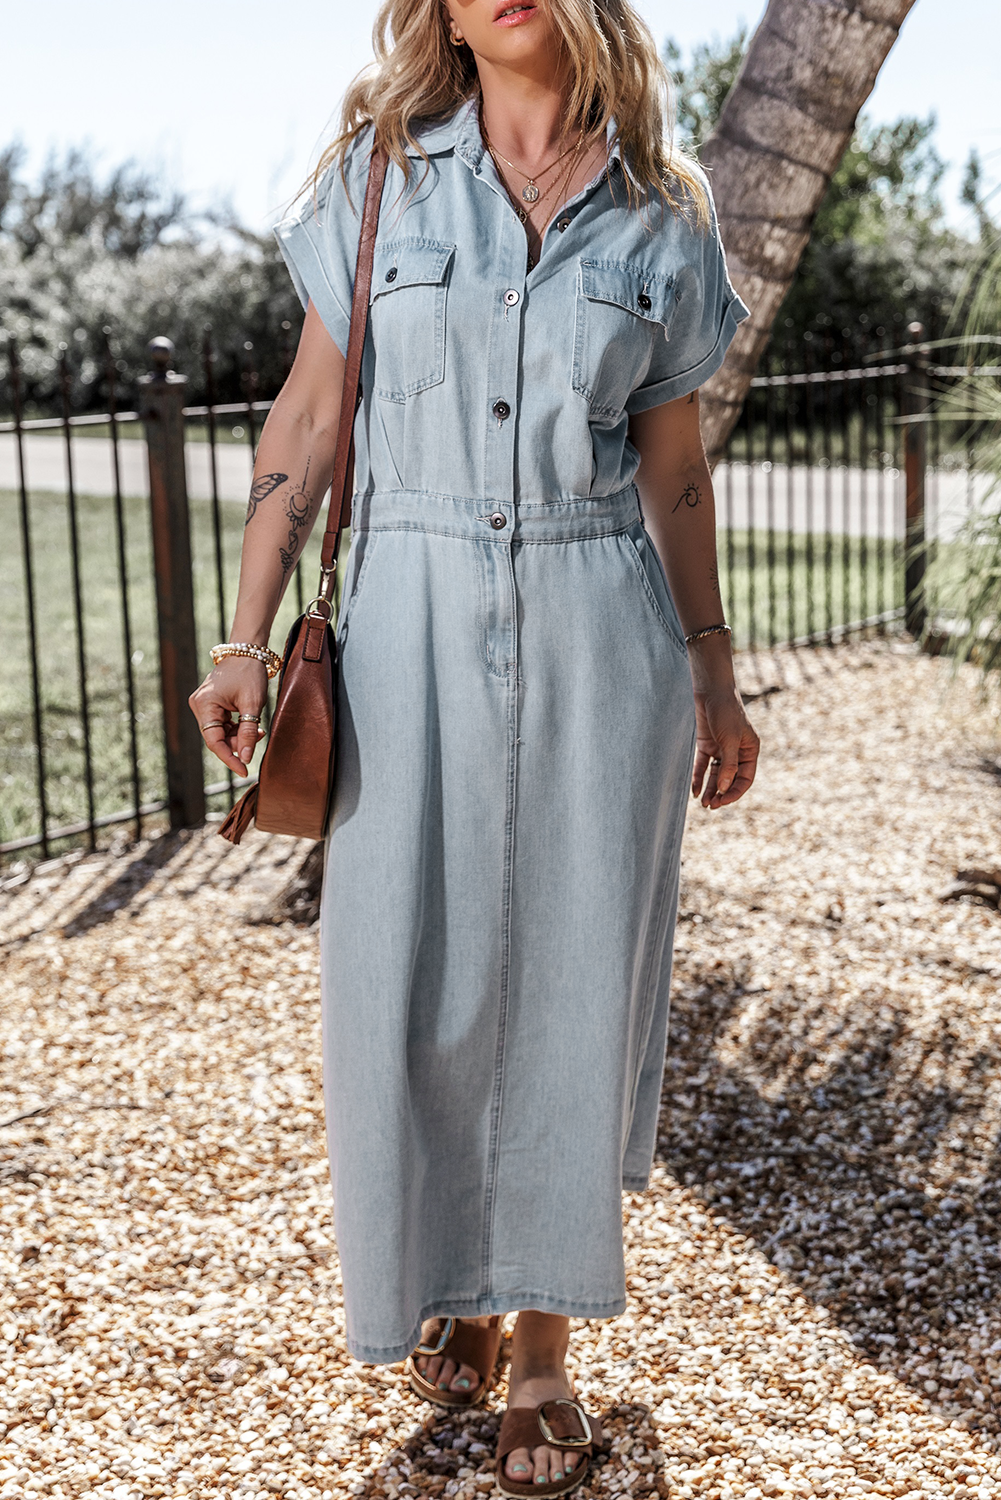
{"x": 413, "y": 262}
{"x": 648, "y": 294}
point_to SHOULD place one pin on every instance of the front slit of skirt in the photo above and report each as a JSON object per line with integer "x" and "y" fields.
{"x": 512, "y": 688}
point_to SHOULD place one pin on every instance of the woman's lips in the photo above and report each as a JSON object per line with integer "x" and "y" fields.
{"x": 516, "y": 17}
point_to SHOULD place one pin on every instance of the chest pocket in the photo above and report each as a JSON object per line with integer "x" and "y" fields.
{"x": 622, "y": 308}
{"x": 407, "y": 312}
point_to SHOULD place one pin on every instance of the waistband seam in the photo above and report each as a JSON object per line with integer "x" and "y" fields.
{"x": 495, "y": 538}
{"x": 626, "y": 494}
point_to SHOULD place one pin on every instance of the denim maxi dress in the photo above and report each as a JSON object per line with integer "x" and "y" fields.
{"x": 516, "y": 736}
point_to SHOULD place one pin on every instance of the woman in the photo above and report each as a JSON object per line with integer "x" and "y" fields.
{"x": 517, "y": 726}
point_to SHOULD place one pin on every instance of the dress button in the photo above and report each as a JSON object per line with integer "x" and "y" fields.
{"x": 391, "y": 274}
{"x": 501, "y": 410}
{"x": 511, "y": 297}
{"x": 644, "y": 301}
{"x": 563, "y": 224}
{"x": 498, "y": 520}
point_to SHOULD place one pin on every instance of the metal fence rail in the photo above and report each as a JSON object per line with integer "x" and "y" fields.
{"x": 82, "y": 710}
{"x": 829, "y": 479}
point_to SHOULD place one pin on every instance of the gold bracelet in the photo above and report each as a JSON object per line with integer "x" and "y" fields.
{"x": 270, "y": 660}
{"x": 698, "y": 635}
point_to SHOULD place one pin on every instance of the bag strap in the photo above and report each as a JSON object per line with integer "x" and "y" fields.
{"x": 339, "y": 508}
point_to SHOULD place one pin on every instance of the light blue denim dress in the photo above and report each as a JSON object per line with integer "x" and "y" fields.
{"x": 516, "y": 737}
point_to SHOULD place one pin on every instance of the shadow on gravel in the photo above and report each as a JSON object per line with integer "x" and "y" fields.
{"x": 127, "y": 884}
{"x": 809, "y": 1136}
{"x": 446, "y": 1443}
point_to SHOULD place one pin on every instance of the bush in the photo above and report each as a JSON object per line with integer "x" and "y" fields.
{"x": 78, "y": 256}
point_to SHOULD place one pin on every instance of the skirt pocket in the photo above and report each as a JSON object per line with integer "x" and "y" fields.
{"x": 362, "y": 544}
{"x": 650, "y": 574}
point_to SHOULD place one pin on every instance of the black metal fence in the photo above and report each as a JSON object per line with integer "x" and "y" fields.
{"x": 84, "y": 716}
{"x": 832, "y": 481}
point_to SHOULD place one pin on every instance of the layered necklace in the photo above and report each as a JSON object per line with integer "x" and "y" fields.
{"x": 530, "y": 192}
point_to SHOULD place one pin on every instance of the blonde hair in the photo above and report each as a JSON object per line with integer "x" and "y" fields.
{"x": 419, "y": 77}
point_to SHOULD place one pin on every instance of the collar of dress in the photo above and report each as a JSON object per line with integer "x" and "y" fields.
{"x": 461, "y": 133}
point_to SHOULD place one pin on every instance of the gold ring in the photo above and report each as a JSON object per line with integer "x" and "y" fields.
{"x": 249, "y": 719}
{"x": 215, "y": 724}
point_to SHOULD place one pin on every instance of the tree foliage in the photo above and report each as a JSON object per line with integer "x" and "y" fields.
{"x": 80, "y": 253}
{"x": 881, "y": 254}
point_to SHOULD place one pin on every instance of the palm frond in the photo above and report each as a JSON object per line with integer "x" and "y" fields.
{"x": 965, "y": 578}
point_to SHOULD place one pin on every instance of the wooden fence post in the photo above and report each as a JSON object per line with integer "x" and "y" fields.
{"x": 916, "y": 407}
{"x": 161, "y": 403}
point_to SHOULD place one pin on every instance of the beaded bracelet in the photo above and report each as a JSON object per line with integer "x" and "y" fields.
{"x": 698, "y": 635}
{"x": 271, "y": 661}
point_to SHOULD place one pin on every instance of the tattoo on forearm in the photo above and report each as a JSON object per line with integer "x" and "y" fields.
{"x": 691, "y": 496}
{"x": 260, "y": 490}
{"x": 297, "y": 511}
{"x": 714, "y": 580}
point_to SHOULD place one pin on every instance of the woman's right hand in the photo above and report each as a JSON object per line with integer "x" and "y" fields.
{"x": 239, "y": 684}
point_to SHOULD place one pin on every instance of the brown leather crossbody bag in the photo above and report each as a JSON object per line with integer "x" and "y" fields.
{"x": 295, "y": 784}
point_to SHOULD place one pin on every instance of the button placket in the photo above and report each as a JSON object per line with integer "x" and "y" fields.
{"x": 502, "y": 375}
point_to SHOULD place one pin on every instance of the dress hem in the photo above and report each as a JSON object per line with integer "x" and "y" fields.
{"x": 637, "y": 1182}
{"x": 479, "y": 1307}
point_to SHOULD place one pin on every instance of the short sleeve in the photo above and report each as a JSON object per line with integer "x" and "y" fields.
{"x": 706, "y": 317}
{"x": 320, "y": 242}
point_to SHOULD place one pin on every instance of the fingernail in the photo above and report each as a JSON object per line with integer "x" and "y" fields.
{"x": 246, "y": 753}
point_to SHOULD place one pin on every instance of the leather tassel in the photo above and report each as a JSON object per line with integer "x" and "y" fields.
{"x": 240, "y": 817}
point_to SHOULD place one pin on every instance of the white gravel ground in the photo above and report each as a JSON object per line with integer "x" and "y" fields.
{"x": 814, "y": 1273}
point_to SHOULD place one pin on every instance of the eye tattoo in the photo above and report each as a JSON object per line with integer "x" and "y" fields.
{"x": 260, "y": 490}
{"x": 690, "y": 497}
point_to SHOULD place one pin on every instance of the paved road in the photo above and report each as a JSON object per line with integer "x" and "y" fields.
{"x": 45, "y": 461}
{"x": 856, "y": 501}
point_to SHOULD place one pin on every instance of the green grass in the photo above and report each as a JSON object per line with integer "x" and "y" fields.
{"x": 106, "y": 676}
{"x": 779, "y": 587}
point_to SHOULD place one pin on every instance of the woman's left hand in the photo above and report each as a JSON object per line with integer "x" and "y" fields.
{"x": 726, "y": 754}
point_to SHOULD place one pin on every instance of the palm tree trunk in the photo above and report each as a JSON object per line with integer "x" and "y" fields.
{"x": 809, "y": 68}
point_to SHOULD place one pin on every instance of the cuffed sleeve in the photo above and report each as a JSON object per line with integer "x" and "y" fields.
{"x": 707, "y": 314}
{"x": 319, "y": 242}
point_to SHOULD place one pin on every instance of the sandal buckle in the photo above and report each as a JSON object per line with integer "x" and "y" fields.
{"x": 443, "y": 1339}
{"x": 565, "y": 1442}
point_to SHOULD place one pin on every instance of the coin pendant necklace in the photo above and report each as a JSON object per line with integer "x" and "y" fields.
{"x": 530, "y": 192}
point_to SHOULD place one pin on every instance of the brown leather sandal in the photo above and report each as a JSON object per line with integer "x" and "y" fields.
{"x": 564, "y": 1425}
{"x": 467, "y": 1344}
